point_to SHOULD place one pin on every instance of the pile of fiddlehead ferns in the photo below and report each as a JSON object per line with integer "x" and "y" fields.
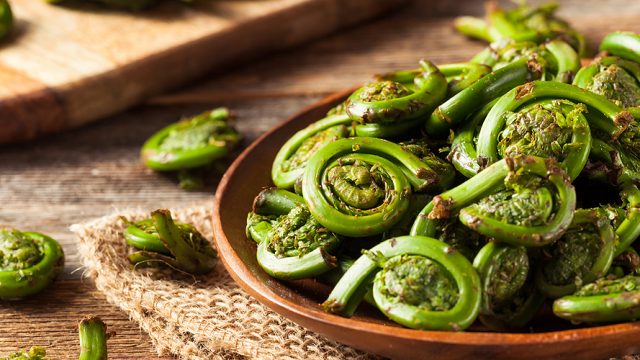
{"x": 465, "y": 191}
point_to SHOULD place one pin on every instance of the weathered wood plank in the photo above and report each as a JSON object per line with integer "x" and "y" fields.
{"x": 52, "y": 318}
{"x": 351, "y": 58}
{"x": 97, "y": 62}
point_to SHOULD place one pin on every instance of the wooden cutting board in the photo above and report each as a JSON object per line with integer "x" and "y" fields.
{"x": 67, "y": 66}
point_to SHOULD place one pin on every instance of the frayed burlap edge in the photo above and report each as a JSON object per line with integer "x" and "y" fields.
{"x": 207, "y": 317}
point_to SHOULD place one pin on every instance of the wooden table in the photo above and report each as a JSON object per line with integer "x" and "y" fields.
{"x": 50, "y": 184}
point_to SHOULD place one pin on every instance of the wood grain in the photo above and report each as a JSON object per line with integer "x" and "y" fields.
{"x": 49, "y": 184}
{"x": 84, "y": 63}
{"x": 54, "y": 326}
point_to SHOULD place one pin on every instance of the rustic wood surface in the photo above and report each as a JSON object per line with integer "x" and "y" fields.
{"x": 74, "y": 64}
{"x": 50, "y": 184}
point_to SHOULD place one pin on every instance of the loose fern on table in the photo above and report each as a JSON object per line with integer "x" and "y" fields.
{"x": 455, "y": 192}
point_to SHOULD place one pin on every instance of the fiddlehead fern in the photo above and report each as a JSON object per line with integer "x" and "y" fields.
{"x": 614, "y": 78}
{"x": 583, "y": 254}
{"x": 522, "y": 23}
{"x": 291, "y": 243}
{"x": 6, "y": 19}
{"x": 618, "y": 79}
{"x": 548, "y": 128}
{"x": 191, "y": 143}
{"x": 267, "y": 206}
{"x": 527, "y": 211}
{"x": 421, "y": 148}
{"x": 162, "y": 242}
{"x": 93, "y": 339}
{"x": 625, "y": 217}
{"x": 461, "y": 75}
{"x": 143, "y": 235}
{"x": 34, "y": 353}
{"x": 397, "y": 101}
{"x": 292, "y": 157}
{"x": 460, "y": 237}
{"x": 605, "y": 117}
{"x": 417, "y": 201}
{"x": 29, "y": 262}
{"x": 534, "y": 210}
{"x": 622, "y": 44}
{"x": 463, "y": 154}
{"x": 361, "y": 186}
{"x": 419, "y": 282}
{"x": 387, "y": 108}
{"x": 627, "y": 263}
{"x": 458, "y": 108}
{"x": 616, "y": 162}
{"x": 628, "y": 225}
{"x": 559, "y": 60}
{"x": 509, "y": 297}
{"x": 605, "y": 300}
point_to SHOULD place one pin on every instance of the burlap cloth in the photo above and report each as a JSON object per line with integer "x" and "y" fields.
{"x": 208, "y": 317}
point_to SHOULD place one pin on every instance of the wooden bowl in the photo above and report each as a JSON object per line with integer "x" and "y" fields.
{"x": 368, "y": 330}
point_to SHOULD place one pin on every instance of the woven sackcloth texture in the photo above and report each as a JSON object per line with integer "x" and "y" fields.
{"x": 207, "y": 317}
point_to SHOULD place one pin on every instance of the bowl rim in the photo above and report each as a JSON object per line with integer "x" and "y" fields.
{"x": 240, "y": 272}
